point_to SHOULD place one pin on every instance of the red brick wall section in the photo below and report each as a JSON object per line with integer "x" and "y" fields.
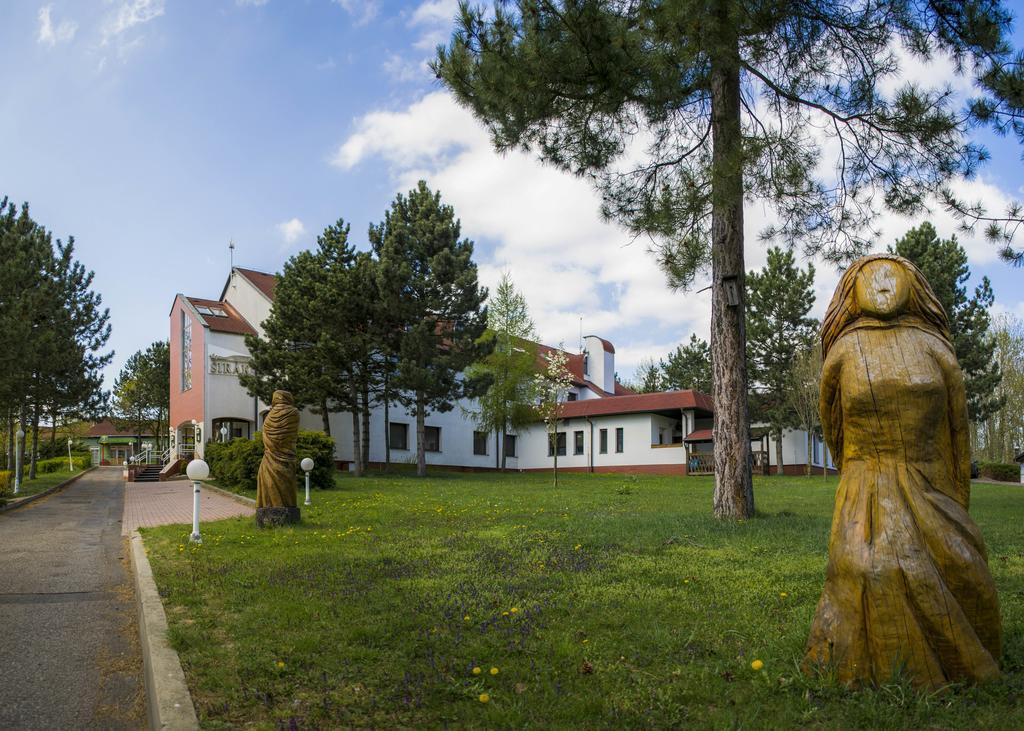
{"x": 186, "y": 405}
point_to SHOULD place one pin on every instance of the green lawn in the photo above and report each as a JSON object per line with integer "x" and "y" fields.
{"x": 41, "y": 483}
{"x": 611, "y": 602}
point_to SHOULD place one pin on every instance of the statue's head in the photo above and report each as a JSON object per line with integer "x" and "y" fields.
{"x": 282, "y": 397}
{"x": 882, "y": 287}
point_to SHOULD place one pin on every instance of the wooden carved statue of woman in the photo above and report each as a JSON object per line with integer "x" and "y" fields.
{"x": 907, "y": 587}
{"x": 276, "y": 481}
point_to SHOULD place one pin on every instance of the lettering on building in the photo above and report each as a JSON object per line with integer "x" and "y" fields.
{"x": 230, "y": 365}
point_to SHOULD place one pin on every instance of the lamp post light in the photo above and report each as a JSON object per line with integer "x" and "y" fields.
{"x": 307, "y": 465}
{"x": 20, "y": 434}
{"x": 71, "y": 467}
{"x": 223, "y": 432}
{"x": 197, "y": 471}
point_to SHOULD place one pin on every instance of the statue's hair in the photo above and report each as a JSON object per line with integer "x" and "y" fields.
{"x": 923, "y": 308}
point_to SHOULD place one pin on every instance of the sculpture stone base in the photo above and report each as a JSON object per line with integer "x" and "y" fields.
{"x": 274, "y": 517}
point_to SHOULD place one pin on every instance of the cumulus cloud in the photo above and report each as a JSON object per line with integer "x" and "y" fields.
{"x": 291, "y": 230}
{"x": 544, "y": 227}
{"x": 50, "y": 34}
{"x": 129, "y": 15}
{"x": 362, "y": 11}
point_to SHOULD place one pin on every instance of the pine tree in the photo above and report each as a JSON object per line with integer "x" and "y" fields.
{"x": 427, "y": 277}
{"x": 689, "y": 366}
{"x": 780, "y": 297}
{"x": 723, "y": 98}
{"x": 944, "y": 264}
{"x": 648, "y": 377}
{"x": 507, "y": 403}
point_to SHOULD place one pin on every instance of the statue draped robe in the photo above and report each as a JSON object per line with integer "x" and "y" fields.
{"x": 907, "y": 585}
{"x": 276, "y": 481}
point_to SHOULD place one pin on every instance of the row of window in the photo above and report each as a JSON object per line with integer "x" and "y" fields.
{"x": 559, "y": 442}
{"x": 398, "y": 438}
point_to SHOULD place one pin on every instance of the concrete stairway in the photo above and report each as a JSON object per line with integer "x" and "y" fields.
{"x": 148, "y": 473}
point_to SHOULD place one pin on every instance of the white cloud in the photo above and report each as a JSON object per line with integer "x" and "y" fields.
{"x": 251, "y": 3}
{"x": 291, "y": 230}
{"x": 50, "y": 34}
{"x": 544, "y": 227}
{"x": 403, "y": 70}
{"x": 129, "y": 15}
{"x": 362, "y": 11}
{"x": 435, "y": 19}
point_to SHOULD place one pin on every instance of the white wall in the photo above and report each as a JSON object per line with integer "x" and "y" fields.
{"x": 251, "y": 304}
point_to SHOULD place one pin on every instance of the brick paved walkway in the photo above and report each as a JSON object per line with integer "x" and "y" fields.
{"x": 166, "y": 503}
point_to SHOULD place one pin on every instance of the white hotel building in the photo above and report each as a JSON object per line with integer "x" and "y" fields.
{"x": 606, "y": 427}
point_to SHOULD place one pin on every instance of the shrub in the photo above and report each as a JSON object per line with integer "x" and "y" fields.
{"x": 235, "y": 464}
{"x": 58, "y": 464}
{"x": 1002, "y": 471}
{"x": 5, "y": 486}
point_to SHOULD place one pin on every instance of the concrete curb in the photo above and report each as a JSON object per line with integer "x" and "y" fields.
{"x": 233, "y": 495}
{"x": 20, "y": 502}
{"x": 168, "y": 701}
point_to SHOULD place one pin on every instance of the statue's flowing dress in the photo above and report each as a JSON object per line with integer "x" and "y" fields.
{"x": 276, "y": 481}
{"x": 907, "y": 583}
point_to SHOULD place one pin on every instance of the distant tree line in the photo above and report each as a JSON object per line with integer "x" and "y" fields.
{"x": 53, "y": 334}
{"x": 141, "y": 394}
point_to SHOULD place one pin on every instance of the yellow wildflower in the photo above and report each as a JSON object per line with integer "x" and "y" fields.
{"x": 484, "y": 698}
{"x": 280, "y": 665}
{"x": 514, "y": 610}
{"x": 477, "y": 671}
{"x": 494, "y": 671}
{"x": 756, "y": 665}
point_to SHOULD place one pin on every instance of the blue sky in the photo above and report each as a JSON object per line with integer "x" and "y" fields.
{"x": 156, "y": 131}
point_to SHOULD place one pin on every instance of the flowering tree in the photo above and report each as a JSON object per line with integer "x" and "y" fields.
{"x": 553, "y": 385}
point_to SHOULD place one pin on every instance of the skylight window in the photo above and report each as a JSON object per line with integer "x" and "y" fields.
{"x": 211, "y": 311}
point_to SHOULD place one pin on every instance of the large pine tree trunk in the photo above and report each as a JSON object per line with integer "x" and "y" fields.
{"x": 734, "y": 494}
{"x": 364, "y": 402}
{"x": 778, "y": 452}
{"x": 357, "y": 449}
{"x": 35, "y": 442}
{"x": 325, "y": 416}
{"x": 421, "y": 454}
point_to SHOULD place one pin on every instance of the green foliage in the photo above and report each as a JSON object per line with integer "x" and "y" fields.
{"x": 1000, "y": 437}
{"x": 428, "y": 279}
{"x": 635, "y": 609}
{"x": 648, "y": 377}
{"x": 688, "y": 366}
{"x": 141, "y": 391}
{"x": 60, "y": 464}
{"x": 944, "y": 264}
{"x": 1007, "y": 472}
{"x": 779, "y": 298}
{"x": 235, "y": 464}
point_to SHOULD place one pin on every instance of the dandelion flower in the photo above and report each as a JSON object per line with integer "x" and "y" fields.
{"x": 514, "y": 610}
{"x": 466, "y": 618}
{"x": 494, "y": 671}
{"x": 756, "y": 665}
{"x": 477, "y": 671}
{"x": 783, "y": 594}
{"x": 504, "y": 614}
{"x": 484, "y": 698}
{"x": 280, "y": 665}
{"x": 578, "y": 547}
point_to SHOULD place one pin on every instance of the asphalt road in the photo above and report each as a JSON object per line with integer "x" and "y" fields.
{"x": 69, "y": 649}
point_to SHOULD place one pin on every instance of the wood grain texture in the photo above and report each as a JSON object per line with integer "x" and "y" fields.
{"x": 907, "y": 586}
{"x": 275, "y": 481}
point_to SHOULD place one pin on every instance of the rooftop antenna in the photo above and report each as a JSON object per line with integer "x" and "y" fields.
{"x": 581, "y": 333}
{"x": 231, "y": 248}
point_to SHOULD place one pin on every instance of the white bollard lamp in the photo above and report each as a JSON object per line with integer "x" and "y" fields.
{"x": 71, "y": 467}
{"x": 224, "y": 433}
{"x": 307, "y": 466}
{"x": 20, "y": 434}
{"x": 197, "y": 471}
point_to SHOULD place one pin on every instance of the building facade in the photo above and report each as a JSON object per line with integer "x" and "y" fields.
{"x": 606, "y": 427}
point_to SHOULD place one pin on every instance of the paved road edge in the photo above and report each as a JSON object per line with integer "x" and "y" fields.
{"x": 21, "y": 502}
{"x": 167, "y": 698}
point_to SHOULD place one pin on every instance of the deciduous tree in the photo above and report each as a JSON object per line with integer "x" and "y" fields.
{"x": 552, "y": 388}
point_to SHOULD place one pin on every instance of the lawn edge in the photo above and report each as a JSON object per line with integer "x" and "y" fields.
{"x": 168, "y": 701}
{"x": 233, "y": 495}
{"x": 20, "y": 502}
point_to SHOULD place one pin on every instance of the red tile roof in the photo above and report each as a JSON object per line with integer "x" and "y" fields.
{"x": 700, "y": 435}
{"x": 232, "y": 323}
{"x": 106, "y": 428}
{"x": 608, "y": 347}
{"x": 621, "y": 390}
{"x": 264, "y": 282}
{"x": 638, "y": 403}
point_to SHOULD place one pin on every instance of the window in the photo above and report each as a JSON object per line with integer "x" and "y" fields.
{"x": 479, "y": 442}
{"x": 571, "y": 396}
{"x": 398, "y": 435}
{"x": 211, "y": 311}
{"x": 560, "y": 440}
{"x": 604, "y": 441}
{"x": 620, "y": 438}
{"x": 510, "y": 445}
{"x": 432, "y": 439}
{"x": 577, "y": 442}
{"x": 586, "y": 363}
{"x": 186, "y": 351}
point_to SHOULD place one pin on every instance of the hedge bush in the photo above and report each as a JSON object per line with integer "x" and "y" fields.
{"x": 6, "y": 477}
{"x": 235, "y": 464}
{"x": 57, "y": 464}
{"x": 1003, "y": 471}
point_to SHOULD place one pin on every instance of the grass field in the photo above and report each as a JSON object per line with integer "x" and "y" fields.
{"x": 611, "y": 602}
{"x": 42, "y": 482}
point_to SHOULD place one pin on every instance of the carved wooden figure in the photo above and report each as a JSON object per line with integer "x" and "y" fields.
{"x": 907, "y": 585}
{"x": 275, "y": 481}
